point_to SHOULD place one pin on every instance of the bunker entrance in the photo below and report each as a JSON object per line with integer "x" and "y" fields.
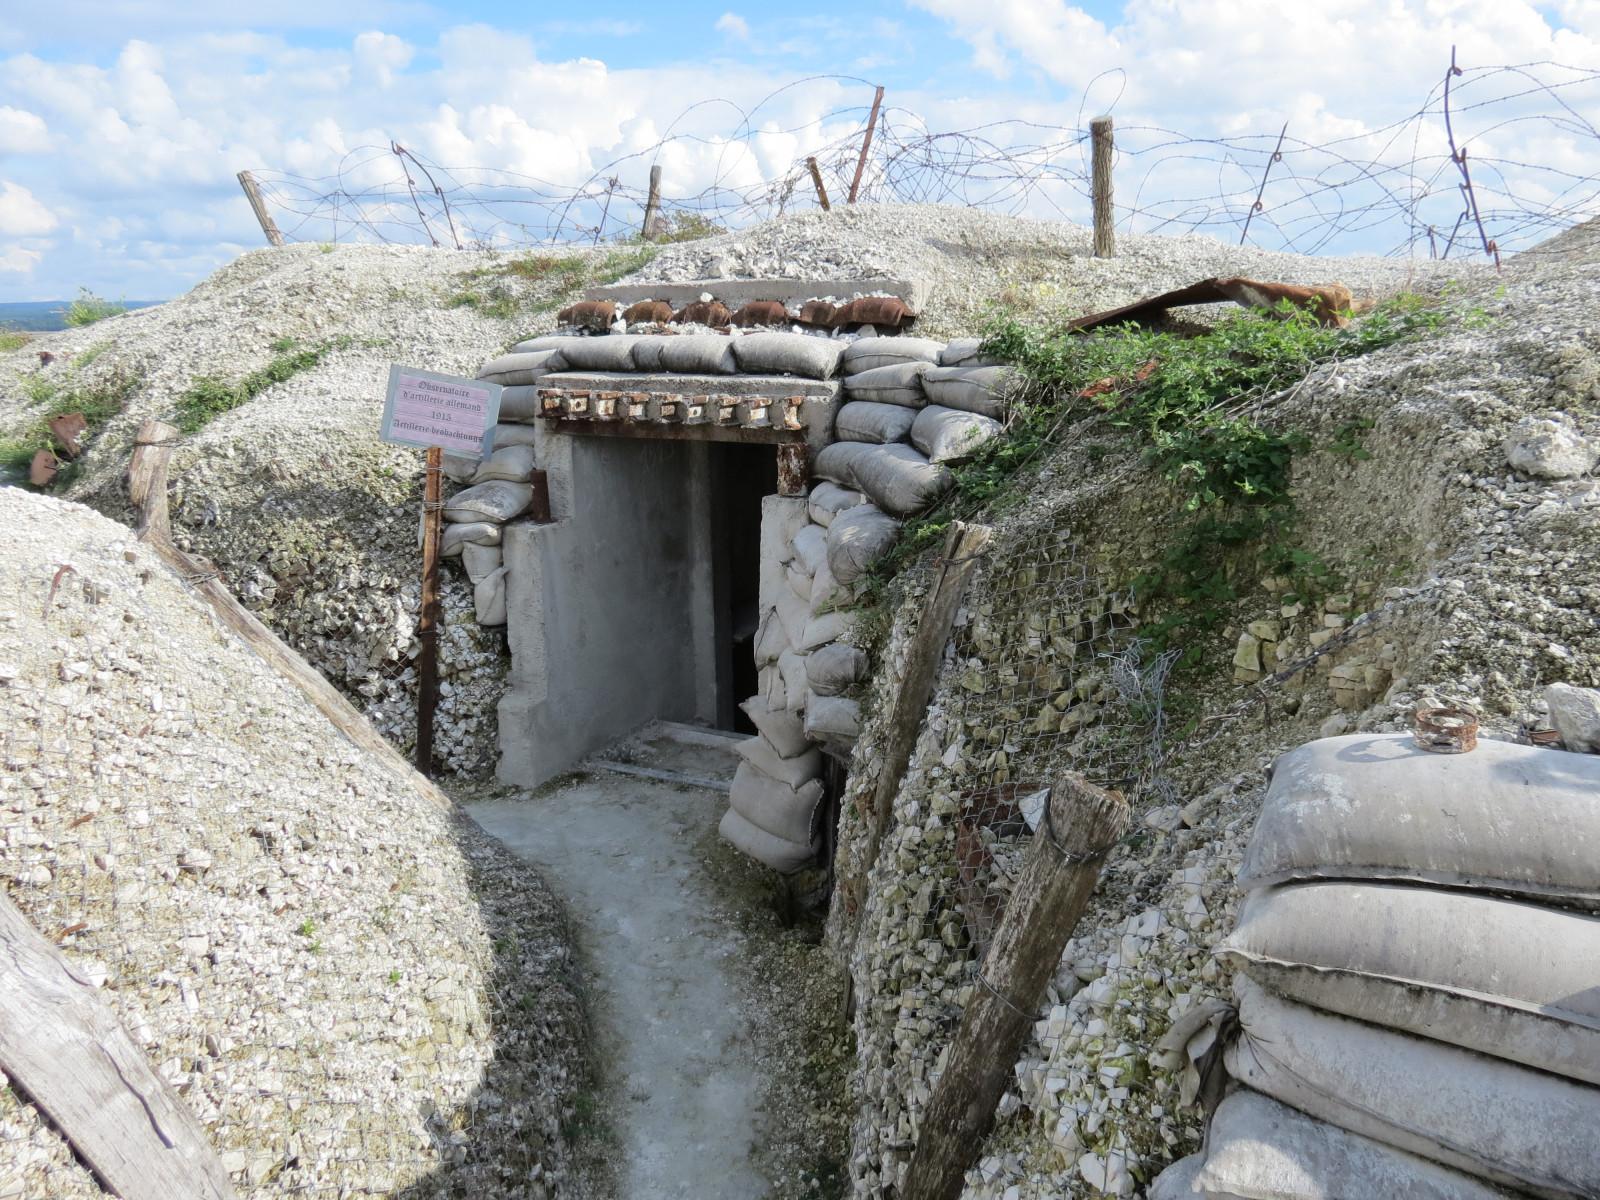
{"x": 739, "y": 477}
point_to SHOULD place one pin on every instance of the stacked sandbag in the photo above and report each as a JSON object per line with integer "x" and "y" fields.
{"x": 495, "y": 490}
{"x": 1418, "y": 979}
{"x": 519, "y": 373}
{"x": 775, "y": 806}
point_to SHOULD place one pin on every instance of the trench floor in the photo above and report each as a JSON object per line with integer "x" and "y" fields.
{"x": 664, "y": 928}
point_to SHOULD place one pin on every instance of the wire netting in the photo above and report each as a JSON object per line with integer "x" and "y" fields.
{"x": 1502, "y": 154}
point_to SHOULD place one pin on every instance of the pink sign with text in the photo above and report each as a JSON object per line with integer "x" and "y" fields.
{"x": 424, "y": 408}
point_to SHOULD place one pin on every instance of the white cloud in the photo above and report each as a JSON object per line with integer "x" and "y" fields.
{"x": 15, "y": 258}
{"x": 22, "y": 132}
{"x": 734, "y": 26}
{"x": 21, "y": 215}
{"x": 383, "y": 54}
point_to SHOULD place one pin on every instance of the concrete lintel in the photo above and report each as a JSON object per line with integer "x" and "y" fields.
{"x": 736, "y": 293}
{"x": 692, "y": 385}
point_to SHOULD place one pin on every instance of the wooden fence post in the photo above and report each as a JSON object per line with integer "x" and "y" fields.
{"x": 652, "y": 206}
{"x": 428, "y": 617}
{"x": 147, "y": 477}
{"x": 816, "y": 178}
{"x": 1105, "y": 221}
{"x": 60, "y": 1041}
{"x": 962, "y": 549}
{"x": 252, "y": 193}
{"x": 1059, "y": 874}
{"x": 866, "y": 144}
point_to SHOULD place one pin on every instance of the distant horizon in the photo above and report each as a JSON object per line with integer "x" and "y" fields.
{"x": 26, "y": 316}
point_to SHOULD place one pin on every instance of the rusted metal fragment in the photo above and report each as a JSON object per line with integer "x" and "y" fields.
{"x": 794, "y": 468}
{"x": 888, "y": 312}
{"x": 704, "y": 312}
{"x": 66, "y": 429}
{"x": 1331, "y": 303}
{"x": 761, "y": 312}
{"x": 595, "y": 315}
{"x": 818, "y": 313}
{"x": 1446, "y": 730}
{"x": 43, "y": 468}
{"x": 647, "y": 312}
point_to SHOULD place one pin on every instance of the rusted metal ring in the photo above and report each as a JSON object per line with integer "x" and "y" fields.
{"x": 1544, "y": 737}
{"x": 1446, "y": 730}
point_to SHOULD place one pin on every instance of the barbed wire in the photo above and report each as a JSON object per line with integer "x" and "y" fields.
{"x": 1399, "y": 189}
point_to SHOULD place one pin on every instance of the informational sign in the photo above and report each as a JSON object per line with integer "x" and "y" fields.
{"x": 424, "y": 408}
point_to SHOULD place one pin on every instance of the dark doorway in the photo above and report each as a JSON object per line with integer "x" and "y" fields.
{"x": 740, "y": 477}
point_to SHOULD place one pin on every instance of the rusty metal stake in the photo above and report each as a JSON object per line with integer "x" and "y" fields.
{"x": 866, "y": 144}
{"x": 816, "y": 178}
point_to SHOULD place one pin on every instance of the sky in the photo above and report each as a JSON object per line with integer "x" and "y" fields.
{"x": 123, "y": 124}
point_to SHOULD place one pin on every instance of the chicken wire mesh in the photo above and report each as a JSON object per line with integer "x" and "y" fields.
{"x": 355, "y": 993}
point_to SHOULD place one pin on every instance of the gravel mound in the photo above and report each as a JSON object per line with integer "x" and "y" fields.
{"x": 974, "y": 259}
{"x": 1477, "y": 585}
{"x": 357, "y": 992}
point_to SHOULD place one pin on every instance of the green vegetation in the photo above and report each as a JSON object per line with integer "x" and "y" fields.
{"x": 1194, "y": 409}
{"x": 98, "y": 402}
{"x": 210, "y": 396}
{"x": 89, "y": 308}
{"x": 563, "y": 277}
{"x": 685, "y": 225}
{"x": 13, "y": 339}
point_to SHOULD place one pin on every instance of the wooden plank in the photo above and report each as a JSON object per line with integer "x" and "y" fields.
{"x": 432, "y": 606}
{"x": 538, "y": 510}
{"x": 652, "y": 206}
{"x": 675, "y": 432}
{"x": 1059, "y": 875}
{"x": 147, "y": 476}
{"x": 816, "y": 178}
{"x": 258, "y": 205}
{"x": 62, "y": 1044}
{"x": 962, "y": 550}
{"x": 866, "y": 144}
{"x": 1105, "y": 219}
{"x": 153, "y": 531}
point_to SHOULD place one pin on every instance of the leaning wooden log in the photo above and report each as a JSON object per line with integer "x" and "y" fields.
{"x": 1081, "y": 824}
{"x": 63, "y": 1046}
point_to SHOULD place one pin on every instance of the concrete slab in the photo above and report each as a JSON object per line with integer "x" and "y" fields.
{"x": 735, "y": 293}
{"x": 676, "y": 1028}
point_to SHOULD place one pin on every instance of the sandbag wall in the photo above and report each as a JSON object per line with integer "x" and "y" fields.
{"x": 1418, "y": 981}
{"x": 496, "y": 490}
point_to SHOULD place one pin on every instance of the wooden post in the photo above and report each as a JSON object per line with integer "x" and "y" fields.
{"x": 60, "y": 1041}
{"x": 1105, "y": 221}
{"x": 866, "y": 144}
{"x": 652, "y": 206}
{"x": 1058, "y": 877}
{"x": 252, "y": 193}
{"x": 147, "y": 477}
{"x": 428, "y": 619}
{"x": 962, "y": 549}
{"x": 794, "y": 468}
{"x": 816, "y": 178}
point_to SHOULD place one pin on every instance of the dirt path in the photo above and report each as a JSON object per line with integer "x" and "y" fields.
{"x": 633, "y": 857}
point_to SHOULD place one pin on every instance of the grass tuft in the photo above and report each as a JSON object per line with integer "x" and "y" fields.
{"x": 89, "y": 308}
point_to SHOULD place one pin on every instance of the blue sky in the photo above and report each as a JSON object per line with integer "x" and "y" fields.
{"x": 122, "y": 124}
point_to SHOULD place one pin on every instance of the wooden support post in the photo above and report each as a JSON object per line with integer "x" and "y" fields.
{"x": 147, "y": 486}
{"x": 538, "y": 510}
{"x": 652, "y": 206}
{"x": 60, "y": 1041}
{"x": 794, "y": 468}
{"x": 962, "y": 549}
{"x": 1105, "y": 221}
{"x": 428, "y": 618}
{"x": 1058, "y": 877}
{"x": 866, "y": 144}
{"x": 252, "y": 193}
{"x": 816, "y": 178}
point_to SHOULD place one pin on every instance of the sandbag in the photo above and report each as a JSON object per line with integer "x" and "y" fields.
{"x": 1491, "y": 1118}
{"x": 866, "y": 421}
{"x": 1258, "y": 1149}
{"x": 795, "y": 771}
{"x": 810, "y": 548}
{"x": 787, "y": 354}
{"x": 612, "y": 352}
{"x": 799, "y": 582}
{"x": 1520, "y": 819}
{"x": 781, "y": 728}
{"x": 489, "y": 598}
{"x": 971, "y": 389}
{"x": 898, "y": 383}
{"x": 497, "y": 500}
{"x": 502, "y": 370}
{"x": 832, "y": 717}
{"x": 514, "y": 463}
{"x": 783, "y": 857}
{"x": 777, "y": 808}
{"x": 793, "y": 613}
{"x": 455, "y": 535}
{"x": 781, "y": 518}
{"x": 965, "y": 352}
{"x": 480, "y": 562}
{"x": 647, "y": 353}
{"x": 792, "y": 666}
{"x": 824, "y": 628}
{"x": 548, "y": 341}
{"x": 698, "y": 354}
{"x": 833, "y": 668}
{"x": 515, "y": 435}
{"x": 771, "y": 641}
{"x": 868, "y": 353}
{"x": 774, "y": 695}
{"x": 828, "y": 500}
{"x": 458, "y": 468}
{"x": 826, "y": 591}
{"x": 945, "y": 434}
{"x": 520, "y": 403}
{"x": 857, "y": 538}
{"x": 1514, "y": 980}
{"x": 898, "y": 479}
